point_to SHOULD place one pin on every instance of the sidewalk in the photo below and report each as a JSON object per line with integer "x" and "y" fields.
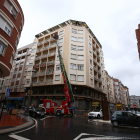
{"x": 99, "y": 120}
{"x": 11, "y": 123}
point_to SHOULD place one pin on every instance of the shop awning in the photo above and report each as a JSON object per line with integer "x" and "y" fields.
{"x": 15, "y": 98}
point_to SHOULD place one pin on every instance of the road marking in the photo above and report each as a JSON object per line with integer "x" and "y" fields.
{"x": 47, "y": 117}
{"x": 18, "y": 137}
{"x": 95, "y": 137}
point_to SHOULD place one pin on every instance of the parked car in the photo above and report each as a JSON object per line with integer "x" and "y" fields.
{"x": 34, "y": 112}
{"x": 95, "y": 114}
{"x": 138, "y": 113}
{"x": 125, "y": 118}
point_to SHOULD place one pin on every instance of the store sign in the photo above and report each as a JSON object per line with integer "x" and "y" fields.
{"x": 95, "y": 103}
{"x": 118, "y": 104}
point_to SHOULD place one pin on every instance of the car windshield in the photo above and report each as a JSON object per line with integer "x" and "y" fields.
{"x": 138, "y": 112}
{"x": 37, "y": 108}
{"x": 96, "y": 110}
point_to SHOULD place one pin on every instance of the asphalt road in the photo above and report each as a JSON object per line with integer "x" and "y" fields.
{"x": 76, "y": 128}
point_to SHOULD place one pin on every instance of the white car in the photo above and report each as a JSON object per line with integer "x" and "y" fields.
{"x": 95, "y": 114}
{"x": 138, "y": 113}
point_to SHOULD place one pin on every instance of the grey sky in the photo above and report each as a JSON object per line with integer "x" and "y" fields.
{"x": 112, "y": 21}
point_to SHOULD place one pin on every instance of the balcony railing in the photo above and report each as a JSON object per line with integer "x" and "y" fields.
{"x": 41, "y": 82}
{"x": 52, "y": 46}
{"x": 94, "y": 53}
{"x": 95, "y": 77}
{"x": 49, "y": 82}
{"x": 35, "y": 83}
{"x": 36, "y": 74}
{"x": 37, "y": 58}
{"x": 44, "y": 56}
{"x": 40, "y": 43}
{"x": 50, "y": 63}
{"x": 22, "y": 60}
{"x": 43, "y": 65}
{"x": 51, "y": 54}
{"x": 95, "y": 69}
{"x": 24, "y": 53}
{"x": 98, "y": 57}
{"x": 100, "y": 80}
{"x": 98, "y": 64}
{"x": 36, "y": 65}
{"x": 50, "y": 71}
{"x": 46, "y": 48}
{"x": 17, "y": 61}
{"x": 47, "y": 40}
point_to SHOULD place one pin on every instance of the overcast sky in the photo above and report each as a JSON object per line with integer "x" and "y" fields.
{"x": 112, "y": 21}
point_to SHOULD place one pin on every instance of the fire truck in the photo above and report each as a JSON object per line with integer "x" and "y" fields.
{"x": 50, "y": 106}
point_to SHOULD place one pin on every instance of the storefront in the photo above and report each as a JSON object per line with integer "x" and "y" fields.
{"x": 119, "y": 107}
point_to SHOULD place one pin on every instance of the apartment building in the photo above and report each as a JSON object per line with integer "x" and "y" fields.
{"x": 134, "y": 101}
{"x": 22, "y": 64}
{"x": 83, "y": 58}
{"x": 11, "y": 25}
{"x": 138, "y": 39}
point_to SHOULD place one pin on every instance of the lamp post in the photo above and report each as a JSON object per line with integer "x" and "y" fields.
{"x": 29, "y": 100}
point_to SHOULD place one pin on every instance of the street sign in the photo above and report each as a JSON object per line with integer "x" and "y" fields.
{"x": 7, "y": 93}
{"x": 29, "y": 91}
{"x": 134, "y": 106}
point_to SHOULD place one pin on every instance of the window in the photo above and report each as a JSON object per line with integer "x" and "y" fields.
{"x": 89, "y": 38}
{"x": 18, "y": 79}
{"x": 20, "y": 71}
{"x": 80, "y": 39}
{"x": 27, "y": 81}
{"x": 60, "y": 40}
{"x": 91, "y": 81}
{"x": 80, "y": 31}
{"x": 22, "y": 86}
{"x": 61, "y": 32}
{"x": 16, "y": 43}
{"x": 116, "y": 83}
{"x": 57, "y": 67}
{"x": 27, "y": 63}
{"x": 91, "y": 71}
{"x": 80, "y": 57}
{"x": 57, "y": 77}
{"x": 30, "y": 65}
{"x": 80, "y": 48}
{"x": 74, "y": 31}
{"x": 73, "y": 66}
{"x": 73, "y": 47}
{"x": 80, "y": 77}
{"x": 90, "y": 62}
{"x": 21, "y": 64}
{"x": 10, "y": 8}
{"x": 16, "y": 86}
{"x": 11, "y": 60}
{"x": 72, "y": 77}
{"x": 57, "y": 57}
{"x": 80, "y": 67}
{"x": 15, "y": 72}
{"x": 16, "y": 66}
{"x": 35, "y": 43}
{"x": 24, "y": 78}
{"x": 73, "y": 38}
{"x": 30, "y": 49}
{"x": 73, "y": 56}
{"x": 32, "y": 57}
{"x": 2, "y": 49}
{"x": 89, "y": 45}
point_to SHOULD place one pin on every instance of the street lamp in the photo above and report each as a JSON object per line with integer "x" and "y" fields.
{"x": 29, "y": 101}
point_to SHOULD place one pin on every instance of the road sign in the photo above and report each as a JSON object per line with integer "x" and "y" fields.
{"x": 7, "y": 93}
{"x": 29, "y": 91}
{"x": 134, "y": 106}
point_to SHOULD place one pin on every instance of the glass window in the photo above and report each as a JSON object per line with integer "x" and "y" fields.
{"x": 80, "y": 48}
{"x": 74, "y": 31}
{"x": 73, "y": 47}
{"x": 80, "y": 57}
{"x": 33, "y": 50}
{"x": 73, "y": 38}
{"x": 27, "y": 63}
{"x": 7, "y": 29}
{"x": 57, "y": 77}
{"x": 80, "y": 39}
{"x": 119, "y": 113}
{"x": 80, "y": 77}
{"x": 80, "y": 31}
{"x": 60, "y": 40}
{"x": 32, "y": 57}
{"x": 91, "y": 71}
{"x": 57, "y": 67}
{"x": 2, "y": 49}
{"x": 80, "y": 67}
{"x": 73, "y": 66}
{"x": 27, "y": 81}
{"x": 90, "y": 62}
{"x": 73, "y": 56}
{"x": 35, "y": 43}
{"x": 72, "y": 77}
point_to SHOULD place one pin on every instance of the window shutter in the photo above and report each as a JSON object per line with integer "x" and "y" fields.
{"x": 73, "y": 56}
{"x": 80, "y": 77}
{"x": 8, "y": 5}
{"x": 80, "y": 57}
{"x": 57, "y": 77}
{"x": 72, "y": 77}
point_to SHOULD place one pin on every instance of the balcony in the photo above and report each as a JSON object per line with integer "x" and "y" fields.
{"x": 45, "y": 48}
{"x": 42, "y": 73}
{"x": 94, "y": 53}
{"x": 95, "y": 69}
{"x": 51, "y": 54}
{"x": 99, "y": 72}
{"x": 41, "y": 83}
{"x": 98, "y": 64}
{"x": 37, "y": 58}
{"x": 51, "y": 63}
{"x": 52, "y": 46}
{"x": 98, "y": 57}
{"x": 100, "y": 80}
{"x": 44, "y": 56}
{"x": 46, "y": 41}
{"x": 18, "y": 55}
{"x": 43, "y": 65}
{"x": 22, "y": 60}
{"x": 24, "y": 53}
{"x": 50, "y": 71}
{"x": 36, "y": 74}
{"x": 17, "y": 61}
{"x": 35, "y": 83}
{"x": 40, "y": 43}
{"x": 96, "y": 78}
{"x": 48, "y": 82}
{"x": 36, "y": 65}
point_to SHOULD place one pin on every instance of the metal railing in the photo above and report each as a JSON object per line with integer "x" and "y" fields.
{"x": 24, "y": 53}
{"x": 95, "y": 77}
{"x": 47, "y": 40}
{"x": 50, "y": 63}
{"x": 46, "y": 48}
{"x": 51, "y": 54}
{"x": 42, "y": 73}
{"x": 22, "y": 60}
{"x": 37, "y": 58}
{"x": 43, "y": 56}
{"x": 42, "y": 64}
{"x": 41, "y": 82}
{"x": 40, "y": 43}
{"x": 49, "y": 82}
{"x": 52, "y": 45}
{"x": 50, "y": 71}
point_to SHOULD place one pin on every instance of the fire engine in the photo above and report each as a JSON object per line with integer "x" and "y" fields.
{"x": 50, "y": 106}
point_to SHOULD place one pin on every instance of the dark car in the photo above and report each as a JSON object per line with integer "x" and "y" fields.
{"x": 125, "y": 118}
{"x": 34, "y": 112}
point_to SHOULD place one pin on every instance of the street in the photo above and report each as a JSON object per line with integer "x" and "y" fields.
{"x": 66, "y": 128}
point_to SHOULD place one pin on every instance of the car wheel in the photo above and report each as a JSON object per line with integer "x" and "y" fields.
{"x": 34, "y": 114}
{"x": 43, "y": 110}
{"x": 98, "y": 116}
{"x": 58, "y": 112}
{"x": 115, "y": 124}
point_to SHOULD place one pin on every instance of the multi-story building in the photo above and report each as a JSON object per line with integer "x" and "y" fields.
{"x": 138, "y": 39}
{"x": 22, "y": 64}
{"x": 126, "y": 98}
{"x": 11, "y": 24}
{"x": 81, "y": 52}
{"x": 134, "y": 102}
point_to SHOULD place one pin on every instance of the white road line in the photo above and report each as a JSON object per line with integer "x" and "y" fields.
{"x": 18, "y": 137}
{"x": 47, "y": 117}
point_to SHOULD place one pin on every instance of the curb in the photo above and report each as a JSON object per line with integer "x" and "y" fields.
{"x": 100, "y": 121}
{"x": 30, "y": 122}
